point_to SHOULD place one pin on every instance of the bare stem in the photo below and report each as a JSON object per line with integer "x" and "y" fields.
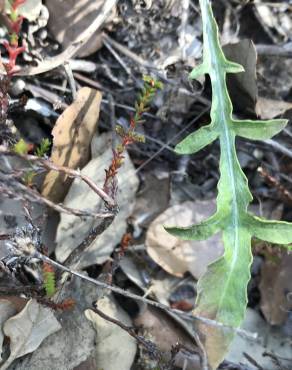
{"x": 150, "y": 347}
{"x": 117, "y": 290}
{"x": 14, "y": 189}
{"x": 47, "y": 164}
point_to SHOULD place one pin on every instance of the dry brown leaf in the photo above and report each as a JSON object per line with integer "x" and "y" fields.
{"x": 243, "y": 86}
{"x": 68, "y": 19}
{"x": 115, "y": 348}
{"x": 75, "y": 342}
{"x": 7, "y": 309}
{"x": 275, "y": 285}
{"x": 166, "y": 333}
{"x": 270, "y": 108}
{"x": 151, "y": 200}
{"x": 72, "y": 133}
{"x": 178, "y": 256}
{"x": 28, "y": 329}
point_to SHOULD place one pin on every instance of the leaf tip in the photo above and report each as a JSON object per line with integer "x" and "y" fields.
{"x": 173, "y": 230}
{"x": 179, "y": 149}
{"x": 232, "y": 67}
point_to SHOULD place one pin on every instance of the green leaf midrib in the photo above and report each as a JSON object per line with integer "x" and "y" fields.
{"x": 218, "y": 79}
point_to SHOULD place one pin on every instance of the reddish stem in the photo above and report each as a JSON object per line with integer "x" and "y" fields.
{"x": 13, "y": 52}
{"x": 12, "y": 47}
{"x": 17, "y": 3}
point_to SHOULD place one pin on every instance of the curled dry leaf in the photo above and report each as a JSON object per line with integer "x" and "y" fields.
{"x": 115, "y": 348}
{"x": 72, "y": 133}
{"x": 70, "y": 18}
{"x": 175, "y": 255}
{"x": 28, "y": 329}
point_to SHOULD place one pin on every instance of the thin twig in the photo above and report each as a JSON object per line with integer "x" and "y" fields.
{"x": 173, "y": 139}
{"x": 16, "y": 190}
{"x": 284, "y": 51}
{"x": 279, "y": 147}
{"x": 150, "y": 347}
{"x": 127, "y": 294}
{"x": 130, "y": 54}
{"x": 228, "y": 365}
{"x": 117, "y": 57}
{"x": 47, "y": 164}
{"x": 23, "y": 289}
{"x": 284, "y": 193}
{"x": 252, "y": 361}
{"x": 70, "y": 77}
{"x": 90, "y": 82}
{"x": 74, "y": 256}
{"x": 276, "y": 359}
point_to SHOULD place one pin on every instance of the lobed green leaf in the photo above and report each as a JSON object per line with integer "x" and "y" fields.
{"x": 222, "y": 291}
{"x": 258, "y": 130}
{"x": 201, "y": 231}
{"x": 197, "y": 140}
